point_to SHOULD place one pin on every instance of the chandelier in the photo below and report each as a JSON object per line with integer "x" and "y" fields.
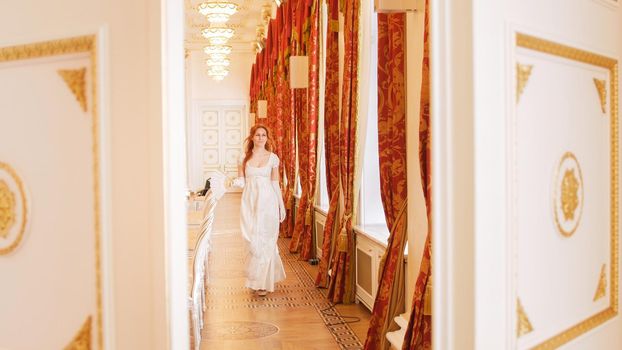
{"x": 218, "y": 11}
{"x": 217, "y": 50}
{"x": 217, "y": 35}
{"x": 217, "y": 72}
{"x": 213, "y": 62}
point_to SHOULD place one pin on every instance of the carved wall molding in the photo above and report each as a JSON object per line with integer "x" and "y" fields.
{"x": 524, "y": 325}
{"x": 82, "y": 339}
{"x": 523, "y": 72}
{"x": 14, "y": 214}
{"x": 76, "y": 82}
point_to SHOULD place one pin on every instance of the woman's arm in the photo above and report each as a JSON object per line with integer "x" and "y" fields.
{"x": 277, "y": 189}
{"x": 239, "y": 181}
{"x": 275, "y": 174}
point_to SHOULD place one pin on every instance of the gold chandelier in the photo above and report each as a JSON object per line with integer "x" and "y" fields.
{"x": 217, "y": 35}
{"x": 218, "y": 11}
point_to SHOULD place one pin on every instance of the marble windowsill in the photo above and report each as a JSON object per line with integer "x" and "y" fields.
{"x": 321, "y": 209}
{"x": 377, "y": 233}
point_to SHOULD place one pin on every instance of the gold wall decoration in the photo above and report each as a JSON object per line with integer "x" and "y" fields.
{"x": 523, "y": 72}
{"x": 568, "y": 195}
{"x": 601, "y": 289}
{"x": 611, "y": 65}
{"x": 76, "y": 45}
{"x": 601, "y": 87}
{"x": 75, "y": 80}
{"x": 7, "y": 209}
{"x": 13, "y": 209}
{"x": 82, "y": 340}
{"x": 523, "y": 326}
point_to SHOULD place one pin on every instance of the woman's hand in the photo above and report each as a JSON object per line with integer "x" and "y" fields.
{"x": 238, "y": 182}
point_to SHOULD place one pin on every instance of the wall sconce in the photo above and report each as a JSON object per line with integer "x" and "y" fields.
{"x": 393, "y": 6}
{"x": 262, "y": 109}
{"x": 298, "y": 72}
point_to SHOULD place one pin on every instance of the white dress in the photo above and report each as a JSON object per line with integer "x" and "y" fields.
{"x": 259, "y": 222}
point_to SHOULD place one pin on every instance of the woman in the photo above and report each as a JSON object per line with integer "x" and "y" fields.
{"x": 261, "y": 210}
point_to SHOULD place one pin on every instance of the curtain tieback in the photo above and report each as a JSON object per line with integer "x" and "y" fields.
{"x": 342, "y": 240}
{"x": 309, "y": 213}
{"x": 427, "y": 298}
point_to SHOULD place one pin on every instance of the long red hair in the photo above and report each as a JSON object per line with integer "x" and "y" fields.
{"x": 249, "y": 144}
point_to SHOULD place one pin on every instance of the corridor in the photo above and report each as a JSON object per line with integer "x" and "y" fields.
{"x": 296, "y": 316}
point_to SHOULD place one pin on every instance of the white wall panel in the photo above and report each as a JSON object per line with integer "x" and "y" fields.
{"x": 50, "y": 144}
{"x": 134, "y": 295}
{"x": 563, "y": 190}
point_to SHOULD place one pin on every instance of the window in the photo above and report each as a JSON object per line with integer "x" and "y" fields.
{"x": 322, "y": 198}
{"x": 371, "y": 211}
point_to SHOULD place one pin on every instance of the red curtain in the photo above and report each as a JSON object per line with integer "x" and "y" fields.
{"x": 307, "y": 139}
{"x": 419, "y": 332}
{"x": 331, "y": 139}
{"x": 392, "y": 151}
{"x": 289, "y": 122}
{"x": 301, "y": 116}
{"x": 341, "y": 285}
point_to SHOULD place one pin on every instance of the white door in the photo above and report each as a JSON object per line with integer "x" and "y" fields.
{"x": 525, "y": 108}
{"x": 216, "y": 139}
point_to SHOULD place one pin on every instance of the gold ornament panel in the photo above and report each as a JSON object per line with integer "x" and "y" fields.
{"x": 60, "y": 159}
{"x": 14, "y": 209}
{"x": 568, "y": 197}
{"x": 564, "y": 185}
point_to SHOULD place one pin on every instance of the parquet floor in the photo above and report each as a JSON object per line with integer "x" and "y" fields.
{"x": 295, "y": 316}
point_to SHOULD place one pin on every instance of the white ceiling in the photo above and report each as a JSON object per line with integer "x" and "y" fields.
{"x": 245, "y": 22}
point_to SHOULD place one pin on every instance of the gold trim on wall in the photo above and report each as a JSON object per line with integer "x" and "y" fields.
{"x": 523, "y": 324}
{"x": 568, "y": 194}
{"x": 601, "y": 88}
{"x": 559, "y": 50}
{"x": 76, "y": 82}
{"x": 8, "y": 209}
{"x": 601, "y": 289}
{"x": 83, "y": 44}
{"x": 82, "y": 340}
{"x": 523, "y": 72}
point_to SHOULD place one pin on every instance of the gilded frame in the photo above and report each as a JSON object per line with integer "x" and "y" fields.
{"x": 82, "y": 44}
{"x": 549, "y": 47}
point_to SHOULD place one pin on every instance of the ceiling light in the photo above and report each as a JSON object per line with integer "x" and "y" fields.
{"x": 217, "y": 11}
{"x": 220, "y": 50}
{"x": 221, "y": 72}
{"x": 217, "y": 57}
{"x": 211, "y": 62}
{"x": 217, "y": 35}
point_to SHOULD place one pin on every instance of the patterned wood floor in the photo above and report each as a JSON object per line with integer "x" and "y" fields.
{"x": 296, "y": 316}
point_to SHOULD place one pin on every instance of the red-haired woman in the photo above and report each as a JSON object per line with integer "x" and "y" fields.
{"x": 261, "y": 210}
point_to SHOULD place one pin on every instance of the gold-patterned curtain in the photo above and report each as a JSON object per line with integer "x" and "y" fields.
{"x": 392, "y": 158}
{"x": 341, "y": 285}
{"x": 301, "y": 99}
{"x": 331, "y": 139}
{"x": 289, "y": 123}
{"x": 419, "y": 331}
{"x": 302, "y": 239}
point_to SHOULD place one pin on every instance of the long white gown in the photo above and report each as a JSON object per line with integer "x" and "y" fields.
{"x": 259, "y": 221}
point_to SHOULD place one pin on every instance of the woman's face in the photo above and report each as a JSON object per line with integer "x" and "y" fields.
{"x": 260, "y": 137}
